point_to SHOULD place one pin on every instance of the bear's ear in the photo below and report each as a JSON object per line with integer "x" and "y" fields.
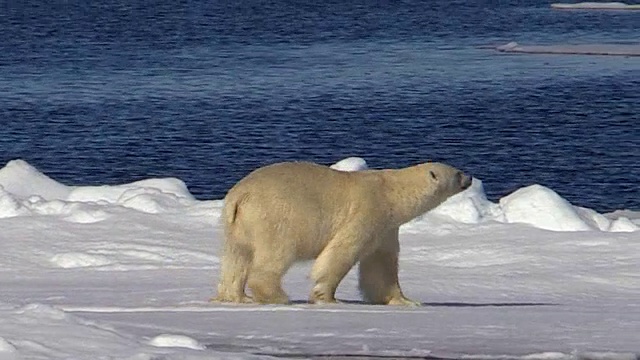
{"x": 433, "y": 175}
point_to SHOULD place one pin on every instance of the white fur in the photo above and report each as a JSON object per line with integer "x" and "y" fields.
{"x": 288, "y": 212}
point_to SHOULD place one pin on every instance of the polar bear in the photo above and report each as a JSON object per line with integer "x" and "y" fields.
{"x": 295, "y": 211}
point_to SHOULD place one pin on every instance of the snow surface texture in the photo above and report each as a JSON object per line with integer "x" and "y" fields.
{"x": 585, "y": 49}
{"x": 596, "y": 6}
{"x": 125, "y": 272}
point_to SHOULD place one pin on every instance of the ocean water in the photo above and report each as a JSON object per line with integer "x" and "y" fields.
{"x": 112, "y": 91}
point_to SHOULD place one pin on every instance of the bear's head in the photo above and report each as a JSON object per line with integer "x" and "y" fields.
{"x": 447, "y": 179}
{"x": 417, "y": 189}
{"x": 442, "y": 182}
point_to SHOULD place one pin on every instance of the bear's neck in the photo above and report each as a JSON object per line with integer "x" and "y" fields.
{"x": 409, "y": 194}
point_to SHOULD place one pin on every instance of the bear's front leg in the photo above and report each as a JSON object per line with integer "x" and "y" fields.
{"x": 378, "y": 275}
{"x": 331, "y": 266}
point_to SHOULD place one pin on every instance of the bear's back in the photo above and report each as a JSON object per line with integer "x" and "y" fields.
{"x": 305, "y": 189}
{"x": 294, "y": 179}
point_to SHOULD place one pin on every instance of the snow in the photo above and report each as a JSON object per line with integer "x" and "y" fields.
{"x": 168, "y": 340}
{"x": 6, "y": 349}
{"x": 350, "y": 164}
{"x": 596, "y": 6}
{"x": 126, "y": 271}
{"x": 581, "y": 49}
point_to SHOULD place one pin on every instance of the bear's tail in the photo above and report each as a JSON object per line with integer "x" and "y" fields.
{"x": 230, "y": 210}
{"x": 237, "y": 257}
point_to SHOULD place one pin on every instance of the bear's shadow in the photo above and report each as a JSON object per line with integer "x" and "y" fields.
{"x": 444, "y": 304}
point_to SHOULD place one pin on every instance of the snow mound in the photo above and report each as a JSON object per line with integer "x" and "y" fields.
{"x": 23, "y": 180}
{"x": 596, "y": 6}
{"x": 153, "y": 189}
{"x": 623, "y": 224}
{"x": 350, "y": 164}
{"x": 470, "y": 206}
{"x": 534, "y": 205}
{"x": 83, "y": 213}
{"x": 149, "y": 196}
{"x": 168, "y": 340}
{"x": 25, "y": 191}
{"x": 155, "y": 200}
{"x": 583, "y": 49}
{"x": 10, "y": 206}
{"x": 543, "y": 208}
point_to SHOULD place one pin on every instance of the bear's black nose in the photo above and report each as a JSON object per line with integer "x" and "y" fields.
{"x": 466, "y": 181}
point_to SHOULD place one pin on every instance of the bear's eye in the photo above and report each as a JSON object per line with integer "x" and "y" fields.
{"x": 433, "y": 175}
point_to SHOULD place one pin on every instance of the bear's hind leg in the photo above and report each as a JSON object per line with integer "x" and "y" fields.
{"x": 378, "y": 274}
{"x": 265, "y": 280}
{"x": 234, "y": 270}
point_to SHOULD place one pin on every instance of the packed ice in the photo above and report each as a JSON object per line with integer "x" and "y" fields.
{"x": 596, "y": 6}
{"x": 630, "y": 49}
{"x": 126, "y": 272}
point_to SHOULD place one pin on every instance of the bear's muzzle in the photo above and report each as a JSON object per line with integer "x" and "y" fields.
{"x": 465, "y": 181}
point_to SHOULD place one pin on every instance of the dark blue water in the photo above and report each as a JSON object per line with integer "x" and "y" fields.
{"x": 112, "y": 91}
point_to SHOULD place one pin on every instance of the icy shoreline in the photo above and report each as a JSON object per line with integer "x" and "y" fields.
{"x": 126, "y": 271}
{"x": 595, "y": 6}
{"x": 586, "y": 49}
